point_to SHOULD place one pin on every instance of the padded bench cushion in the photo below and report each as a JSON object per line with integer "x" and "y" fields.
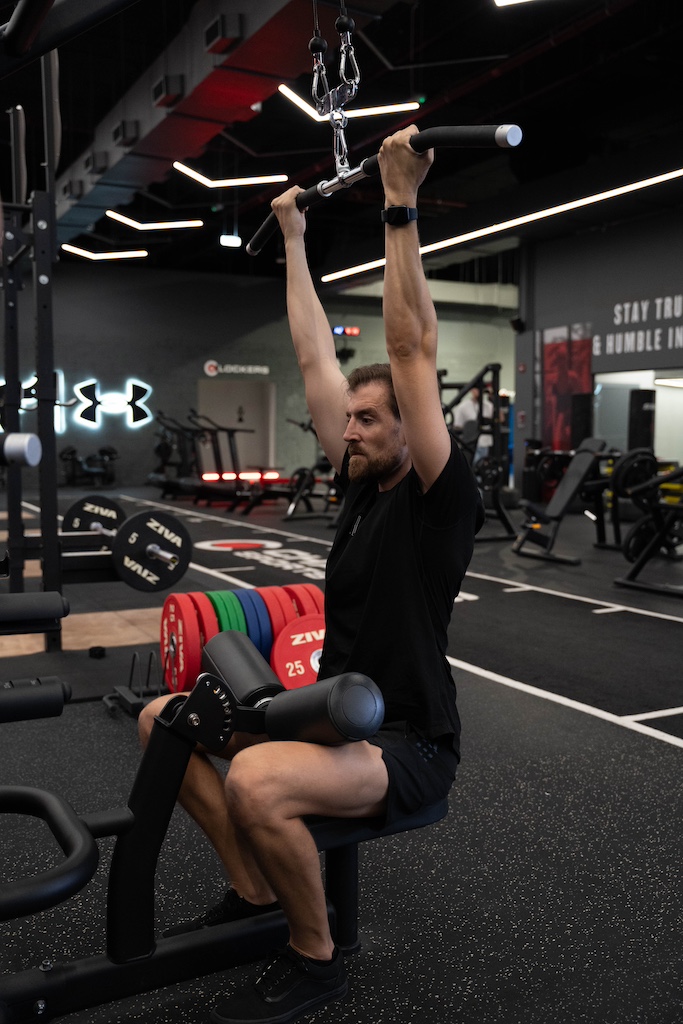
{"x": 333, "y": 832}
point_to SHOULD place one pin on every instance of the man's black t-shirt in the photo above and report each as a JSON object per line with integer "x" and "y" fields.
{"x": 393, "y": 573}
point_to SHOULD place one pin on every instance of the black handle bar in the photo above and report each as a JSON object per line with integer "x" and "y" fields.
{"x": 54, "y": 885}
{"x": 506, "y": 136}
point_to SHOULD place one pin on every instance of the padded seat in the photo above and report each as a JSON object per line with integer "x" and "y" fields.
{"x": 338, "y": 838}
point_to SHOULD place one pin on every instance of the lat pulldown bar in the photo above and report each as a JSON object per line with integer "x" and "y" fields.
{"x": 506, "y": 136}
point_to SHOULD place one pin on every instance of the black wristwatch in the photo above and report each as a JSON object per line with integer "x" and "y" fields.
{"x": 396, "y": 216}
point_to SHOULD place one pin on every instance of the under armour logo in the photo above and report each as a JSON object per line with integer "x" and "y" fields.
{"x": 130, "y": 403}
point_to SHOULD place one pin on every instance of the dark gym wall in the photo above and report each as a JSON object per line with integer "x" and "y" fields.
{"x": 622, "y": 284}
{"x": 624, "y": 279}
{"x": 115, "y": 321}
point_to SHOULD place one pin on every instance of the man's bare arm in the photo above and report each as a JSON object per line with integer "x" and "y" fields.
{"x": 324, "y": 382}
{"x": 409, "y": 315}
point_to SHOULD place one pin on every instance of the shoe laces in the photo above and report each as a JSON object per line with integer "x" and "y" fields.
{"x": 282, "y": 964}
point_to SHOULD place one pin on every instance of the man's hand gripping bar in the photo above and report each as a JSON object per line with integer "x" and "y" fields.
{"x": 506, "y": 136}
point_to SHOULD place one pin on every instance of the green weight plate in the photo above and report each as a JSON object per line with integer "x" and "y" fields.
{"x": 235, "y": 610}
{"x": 224, "y": 619}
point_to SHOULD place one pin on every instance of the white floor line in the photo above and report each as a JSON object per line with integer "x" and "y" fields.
{"x": 610, "y": 606}
{"x": 227, "y": 523}
{"x": 664, "y": 713}
{"x": 222, "y": 576}
{"x": 626, "y": 722}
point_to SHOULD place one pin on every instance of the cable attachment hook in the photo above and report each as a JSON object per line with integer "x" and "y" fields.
{"x": 330, "y": 103}
{"x": 345, "y": 26}
{"x": 320, "y": 89}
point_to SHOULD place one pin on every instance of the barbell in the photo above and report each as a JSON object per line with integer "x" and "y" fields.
{"x": 149, "y": 551}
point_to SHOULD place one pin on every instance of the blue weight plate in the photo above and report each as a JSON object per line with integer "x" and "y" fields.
{"x": 261, "y": 610}
{"x": 253, "y": 624}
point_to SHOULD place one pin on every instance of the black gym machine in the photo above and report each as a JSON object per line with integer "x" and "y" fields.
{"x": 658, "y": 533}
{"x": 491, "y": 472}
{"x": 34, "y": 31}
{"x": 236, "y": 691}
{"x": 313, "y": 483}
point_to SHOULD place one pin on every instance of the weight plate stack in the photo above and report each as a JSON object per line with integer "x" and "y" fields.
{"x": 235, "y": 611}
{"x": 258, "y": 624}
{"x": 285, "y": 624}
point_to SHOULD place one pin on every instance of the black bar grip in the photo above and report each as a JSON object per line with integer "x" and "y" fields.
{"x": 22, "y": 700}
{"x": 262, "y": 234}
{"x": 269, "y": 227}
{"x": 473, "y": 136}
{"x": 48, "y": 888}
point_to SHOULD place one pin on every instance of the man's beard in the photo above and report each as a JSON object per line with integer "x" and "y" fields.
{"x": 363, "y": 469}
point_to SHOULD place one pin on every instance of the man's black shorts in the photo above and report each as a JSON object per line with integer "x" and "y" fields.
{"x": 421, "y": 772}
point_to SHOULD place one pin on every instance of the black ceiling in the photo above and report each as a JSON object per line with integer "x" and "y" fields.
{"x": 594, "y": 84}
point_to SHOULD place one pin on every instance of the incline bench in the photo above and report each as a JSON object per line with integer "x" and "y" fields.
{"x": 580, "y": 469}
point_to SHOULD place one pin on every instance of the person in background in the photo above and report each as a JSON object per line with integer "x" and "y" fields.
{"x": 468, "y": 411}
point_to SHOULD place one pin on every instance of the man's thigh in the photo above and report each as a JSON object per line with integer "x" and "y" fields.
{"x": 345, "y": 781}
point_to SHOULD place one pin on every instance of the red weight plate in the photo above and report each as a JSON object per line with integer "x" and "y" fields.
{"x": 289, "y": 609}
{"x": 317, "y": 595}
{"x": 206, "y": 615}
{"x": 273, "y": 607}
{"x": 181, "y": 643}
{"x": 303, "y": 601}
{"x": 295, "y": 656}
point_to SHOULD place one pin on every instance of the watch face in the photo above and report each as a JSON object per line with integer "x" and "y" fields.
{"x": 396, "y": 215}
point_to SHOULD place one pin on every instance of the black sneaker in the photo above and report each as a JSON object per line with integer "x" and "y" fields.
{"x": 231, "y": 908}
{"x": 290, "y": 986}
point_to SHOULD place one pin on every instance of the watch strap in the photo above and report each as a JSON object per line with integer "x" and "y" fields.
{"x": 396, "y": 216}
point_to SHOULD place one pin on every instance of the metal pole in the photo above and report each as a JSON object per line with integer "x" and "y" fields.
{"x": 12, "y": 397}
{"x": 44, "y": 256}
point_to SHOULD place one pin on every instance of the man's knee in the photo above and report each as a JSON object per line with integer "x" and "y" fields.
{"x": 251, "y": 790}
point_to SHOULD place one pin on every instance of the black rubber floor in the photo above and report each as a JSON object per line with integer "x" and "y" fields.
{"x": 551, "y": 892}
